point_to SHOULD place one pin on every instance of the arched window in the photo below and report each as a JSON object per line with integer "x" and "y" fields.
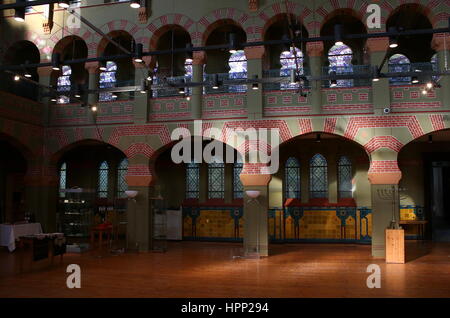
{"x": 103, "y": 180}
{"x": 399, "y": 63}
{"x": 188, "y": 68}
{"x": 63, "y": 179}
{"x": 192, "y": 180}
{"x": 292, "y": 179}
{"x": 64, "y": 84}
{"x": 238, "y": 70}
{"x": 340, "y": 58}
{"x": 216, "y": 179}
{"x": 345, "y": 177}
{"x": 122, "y": 185}
{"x": 318, "y": 177}
{"x": 238, "y": 188}
{"x": 291, "y": 61}
{"x": 108, "y": 80}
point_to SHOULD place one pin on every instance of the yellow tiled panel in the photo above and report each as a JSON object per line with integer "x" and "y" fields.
{"x": 350, "y": 230}
{"x": 319, "y": 224}
{"x": 187, "y": 226}
{"x": 407, "y": 215}
{"x": 289, "y": 224}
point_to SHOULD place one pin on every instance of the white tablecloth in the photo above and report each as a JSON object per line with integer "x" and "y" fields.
{"x": 10, "y": 232}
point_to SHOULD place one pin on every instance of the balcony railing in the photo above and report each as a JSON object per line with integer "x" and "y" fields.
{"x": 349, "y": 69}
{"x": 168, "y": 91}
{"x": 279, "y": 80}
{"x": 411, "y": 67}
{"x": 226, "y": 85}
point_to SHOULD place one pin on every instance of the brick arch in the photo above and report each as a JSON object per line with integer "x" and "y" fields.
{"x": 11, "y": 50}
{"x": 113, "y": 25}
{"x": 64, "y": 42}
{"x": 45, "y": 49}
{"x": 104, "y": 42}
{"x": 331, "y": 9}
{"x": 58, "y": 37}
{"x": 209, "y": 22}
{"x": 20, "y": 144}
{"x": 428, "y": 8}
{"x": 273, "y": 13}
{"x": 163, "y": 23}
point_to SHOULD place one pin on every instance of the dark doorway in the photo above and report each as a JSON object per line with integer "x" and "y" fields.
{"x": 440, "y": 201}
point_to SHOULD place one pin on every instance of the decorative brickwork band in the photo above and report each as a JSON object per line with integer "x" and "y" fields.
{"x": 384, "y": 172}
{"x": 254, "y": 52}
{"x": 143, "y": 14}
{"x": 253, "y": 5}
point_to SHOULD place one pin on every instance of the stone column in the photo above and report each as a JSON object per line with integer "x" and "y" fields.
{"x": 441, "y": 44}
{"x": 142, "y": 101}
{"x": 198, "y": 64}
{"x": 256, "y": 236}
{"x": 381, "y": 98}
{"x": 255, "y": 101}
{"x": 41, "y": 193}
{"x": 45, "y": 78}
{"x": 140, "y": 177}
{"x": 315, "y": 54}
{"x": 384, "y": 176}
{"x": 93, "y": 70}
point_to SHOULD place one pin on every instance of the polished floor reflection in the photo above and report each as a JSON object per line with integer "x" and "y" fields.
{"x": 200, "y": 269}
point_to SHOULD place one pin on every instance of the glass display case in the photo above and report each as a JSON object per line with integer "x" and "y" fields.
{"x": 75, "y": 213}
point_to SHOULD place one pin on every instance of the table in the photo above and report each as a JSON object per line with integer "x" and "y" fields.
{"x": 9, "y": 233}
{"x": 420, "y": 224}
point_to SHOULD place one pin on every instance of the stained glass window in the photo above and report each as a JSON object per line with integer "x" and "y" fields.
{"x": 291, "y": 61}
{"x": 108, "y": 80}
{"x": 192, "y": 180}
{"x": 103, "y": 180}
{"x": 122, "y": 185}
{"x": 238, "y": 70}
{"x": 292, "y": 179}
{"x": 345, "y": 177}
{"x": 63, "y": 179}
{"x": 188, "y": 68}
{"x": 216, "y": 179}
{"x": 238, "y": 188}
{"x": 340, "y": 58}
{"x": 435, "y": 66}
{"x": 318, "y": 177}
{"x": 399, "y": 63}
{"x": 63, "y": 84}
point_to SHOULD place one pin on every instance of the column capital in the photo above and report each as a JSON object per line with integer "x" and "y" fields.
{"x": 45, "y": 70}
{"x": 314, "y": 48}
{"x": 148, "y": 61}
{"x": 377, "y": 44}
{"x": 255, "y": 52}
{"x": 384, "y": 172}
{"x": 255, "y": 174}
{"x": 92, "y": 67}
{"x": 199, "y": 57}
{"x": 440, "y": 42}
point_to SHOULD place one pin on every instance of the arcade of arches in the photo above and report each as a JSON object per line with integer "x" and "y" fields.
{"x": 342, "y": 158}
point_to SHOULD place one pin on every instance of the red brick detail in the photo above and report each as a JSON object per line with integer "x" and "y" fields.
{"x": 254, "y": 145}
{"x": 139, "y": 149}
{"x": 437, "y": 121}
{"x": 139, "y": 170}
{"x": 378, "y": 142}
{"x": 285, "y": 133}
{"x": 330, "y": 125}
{"x": 305, "y": 125}
{"x": 384, "y": 166}
{"x": 140, "y": 130}
{"x": 170, "y": 115}
{"x": 255, "y": 168}
{"x": 331, "y": 98}
{"x": 225, "y": 113}
{"x": 409, "y": 122}
{"x": 286, "y": 109}
{"x": 347, "y": 97}
{"x": 416, "y": 105}
{"x": 348, "y": 107}
{"x": 398, "y": 95}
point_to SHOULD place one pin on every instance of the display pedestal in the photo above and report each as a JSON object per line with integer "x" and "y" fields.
{"x": 395, "y": 246}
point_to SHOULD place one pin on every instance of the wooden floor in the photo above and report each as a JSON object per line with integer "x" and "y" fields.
{"x": 195, "y": 269}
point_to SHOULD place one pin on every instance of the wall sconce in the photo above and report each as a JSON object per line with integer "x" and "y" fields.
{"x": 131, "y": 194}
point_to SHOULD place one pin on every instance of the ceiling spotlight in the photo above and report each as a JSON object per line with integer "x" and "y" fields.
{"x": 424, "y": 92}
{"x": 135, "y": 4}
{"x": 293, "y": 77}
{"x": 393, "y": 43}
{"x": 414, "y": 80}
{"x": 53, "y": 100}
{"x": 113, "y": 96}
{"x": 188, "y": 98}
{"x": 64, "y": 4}
{"x": 376, "y": 74}
{"x": 333, "y": 82}
{"x": 233, "y": 43}
{"x": 189, "y": 54}
{"x": 19, "y": 13}
{"x": 255, "y": 86}
{"x": 27, "y": 74}
{"x": 338, "y": 35}
{"x": 102, "y": 66}
{"x": 181, "y": 90}
{"x": 144, "y": 86}
{"x": 94, "y": 108}
{"x": 56, "y": 61}
{"x": 138, "y": 53}
{"x": 215, "y": 81}
{"x": 429, "y": 85}
{"x": 16, "y": 77}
